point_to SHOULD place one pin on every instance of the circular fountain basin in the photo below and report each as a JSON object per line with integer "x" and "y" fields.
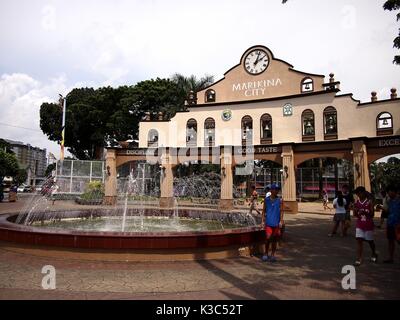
{"x": 154, "y": 231}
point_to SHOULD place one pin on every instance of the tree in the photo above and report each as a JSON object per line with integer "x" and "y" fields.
{"x": 192, "y": 83}
{"x": 8, "y": 165}
{"x": 21, "y": 176}
{"x": 385, "y": 174}
{"x": 394, "y": 5}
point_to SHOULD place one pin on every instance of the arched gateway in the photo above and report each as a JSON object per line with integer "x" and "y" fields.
{"x": 310, "y": 120}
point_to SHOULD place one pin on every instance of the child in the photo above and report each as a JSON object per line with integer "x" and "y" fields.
{"x": 348, "y": 196}
{"x": 393, "y": 220}
{"x": 273, "y": 222}
{"x": 340, "y": 216}
{"x": 364, "y": 211}
{"x": 253, "y": 201}
{"x": 325, "y": 199}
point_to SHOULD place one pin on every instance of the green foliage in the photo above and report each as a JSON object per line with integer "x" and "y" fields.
{"x": 50, "y": 168}
{"x": 21, "y": 176}
{"x": 385, "y": 174}
{"x": 93, "y": 191}
{"x": 93, "y": 114}
{"x": 394, "y": 5}
{"x": 5, "y": 146}
{"x": 8, "y": 164}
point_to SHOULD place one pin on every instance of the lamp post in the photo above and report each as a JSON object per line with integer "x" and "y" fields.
{"x": 64, "y": 107}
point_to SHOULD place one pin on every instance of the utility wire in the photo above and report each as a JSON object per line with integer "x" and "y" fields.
{"x": 19, "y": 127}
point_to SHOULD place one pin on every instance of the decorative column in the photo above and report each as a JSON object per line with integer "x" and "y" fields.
{"x": 110, "y": 197}
{"x": 167, "y": 181}
{"x": 226, "y": 201}
{"x": 289, "y": 180}
{"x": 360, "y": 163}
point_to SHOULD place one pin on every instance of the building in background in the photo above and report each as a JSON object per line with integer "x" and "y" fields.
{"x": 32, "y": 159}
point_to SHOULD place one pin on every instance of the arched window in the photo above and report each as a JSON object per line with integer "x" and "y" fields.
{"x": 266, "y": 129}
{"x": 209, "y": 132}
{"x": 211, "y": 96}
{"x": 384, "y": 124}
{"x": 308, "y": 124}
{"x": 307, "y": 85}
{"x": 191, "y": 133}
{"x": 330, "y": 123}
{"x": 152, "y": 139}
{"x": 247, "y": 130}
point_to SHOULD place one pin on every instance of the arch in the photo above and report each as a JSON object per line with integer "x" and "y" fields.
{"x": 307, "y": 85}
{"x": 330, "y": 124}
{"x": 247, "y": 130}
{"x": 209, "y": 132}
{"x": 308, "y": 125}
{"x": 266, "y": 129}
{"x": 152, "y": 138}
{"x": 210, "y": 96}
{"x": 191, "y": 133}
{"x": 384, "y": 124}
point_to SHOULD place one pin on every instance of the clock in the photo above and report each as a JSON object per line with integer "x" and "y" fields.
{"x": 256, "y": 61}
{"x": 287, "y": 110}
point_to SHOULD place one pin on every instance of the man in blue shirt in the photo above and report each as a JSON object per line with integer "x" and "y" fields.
{"x": 273, "y": 221}
{"x": 393, "y": 219}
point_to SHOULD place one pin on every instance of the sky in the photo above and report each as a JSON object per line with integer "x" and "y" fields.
{"x": 50, "y": 47}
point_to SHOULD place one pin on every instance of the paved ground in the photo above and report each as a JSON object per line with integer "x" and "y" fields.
{"x": 309, "y": 267}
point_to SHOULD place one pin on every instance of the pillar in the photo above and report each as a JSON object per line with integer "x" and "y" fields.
{"x": 360, "y": 165}
{"x": 110, "y": 197}
{"x": 289, "y": 180}
{"x": 167, "y": 199}
{"x": 226, "y": 201}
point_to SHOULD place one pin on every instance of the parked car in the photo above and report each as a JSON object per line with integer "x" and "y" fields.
{"x": 21, "y": 188}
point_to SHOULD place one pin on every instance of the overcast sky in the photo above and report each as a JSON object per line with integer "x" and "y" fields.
{"x": 49, "y": 47}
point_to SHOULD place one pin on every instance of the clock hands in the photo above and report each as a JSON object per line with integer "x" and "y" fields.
{"x": 258, "y": 58}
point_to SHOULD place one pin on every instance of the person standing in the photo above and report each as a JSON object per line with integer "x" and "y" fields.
{"x": 393, "y": 220}
{"x": 348, "y": 196}
{"x": 384, "y": 208}
{"x": 340, "y": 216}
{"x": 254, "y": 201}
{"x": 273, "y": 222}
{"x": 325, "y": 200}
{"x": 364, "y": 211}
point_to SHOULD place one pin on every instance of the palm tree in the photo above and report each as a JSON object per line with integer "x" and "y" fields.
{"x": 192, "y": 83}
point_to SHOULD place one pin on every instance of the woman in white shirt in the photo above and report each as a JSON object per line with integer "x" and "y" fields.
{"x": 340, "y": 215}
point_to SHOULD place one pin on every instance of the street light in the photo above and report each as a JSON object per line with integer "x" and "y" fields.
{"x": 64, "y": 102}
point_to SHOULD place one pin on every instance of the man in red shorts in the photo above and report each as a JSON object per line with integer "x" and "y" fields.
{"x": 273, "y": 221}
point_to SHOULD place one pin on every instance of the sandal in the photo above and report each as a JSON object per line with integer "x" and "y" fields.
{"x": 374, "y": 258}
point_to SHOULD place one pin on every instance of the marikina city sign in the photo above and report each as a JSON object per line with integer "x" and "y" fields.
{"x": 256, "y": 88}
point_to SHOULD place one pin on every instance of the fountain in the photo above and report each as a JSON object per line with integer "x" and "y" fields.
{"x": 137, "y": 224}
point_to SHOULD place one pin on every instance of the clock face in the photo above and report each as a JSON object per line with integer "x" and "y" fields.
{"x": 256, "y": 62}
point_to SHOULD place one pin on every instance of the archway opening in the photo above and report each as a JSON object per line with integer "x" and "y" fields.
{"x": 316, "y": 175}
{"x": 383, "y": 173}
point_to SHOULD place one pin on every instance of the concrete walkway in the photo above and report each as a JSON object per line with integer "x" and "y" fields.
{"x": 309, "y": 267}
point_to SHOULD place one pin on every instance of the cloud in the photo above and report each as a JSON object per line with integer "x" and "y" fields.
{"x": 20, "y": 99}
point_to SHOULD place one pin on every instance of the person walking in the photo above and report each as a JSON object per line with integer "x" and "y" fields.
{"x": 254, "y": 201}
{"x": 340, "y": 216}
{"x": 364, "y": 211}
{"x": 393, "y": 221}
{"x": 325, "y": 200}
{"x": 348, "y": 196}
{"x": 273, "y": 222}
{"x": 383, "y": 208}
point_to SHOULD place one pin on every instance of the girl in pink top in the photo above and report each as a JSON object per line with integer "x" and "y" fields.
{"x": 364, "y": 212}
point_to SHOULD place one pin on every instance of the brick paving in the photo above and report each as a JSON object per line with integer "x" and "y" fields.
{"x": 309, "y": 267}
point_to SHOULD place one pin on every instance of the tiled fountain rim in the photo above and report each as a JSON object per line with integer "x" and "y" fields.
{"x": 12, "y": 232}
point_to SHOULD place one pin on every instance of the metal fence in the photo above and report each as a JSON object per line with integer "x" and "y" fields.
{"x": 74, "y": 175}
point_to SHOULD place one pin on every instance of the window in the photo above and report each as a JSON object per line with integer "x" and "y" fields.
{"x": 247, "y": 130}
{"x": 308, "y": 123}
{"x": 191, "y": 133}
{"x": 152, "y": 139}
{"x": 330, "y": 123}
{"x": 384, "y": 124}
{"x": 266, "y": 129}
{"x": 210, "y": 96}
{"x": 307, "y": 85}
{"x": 209, "y": 132}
